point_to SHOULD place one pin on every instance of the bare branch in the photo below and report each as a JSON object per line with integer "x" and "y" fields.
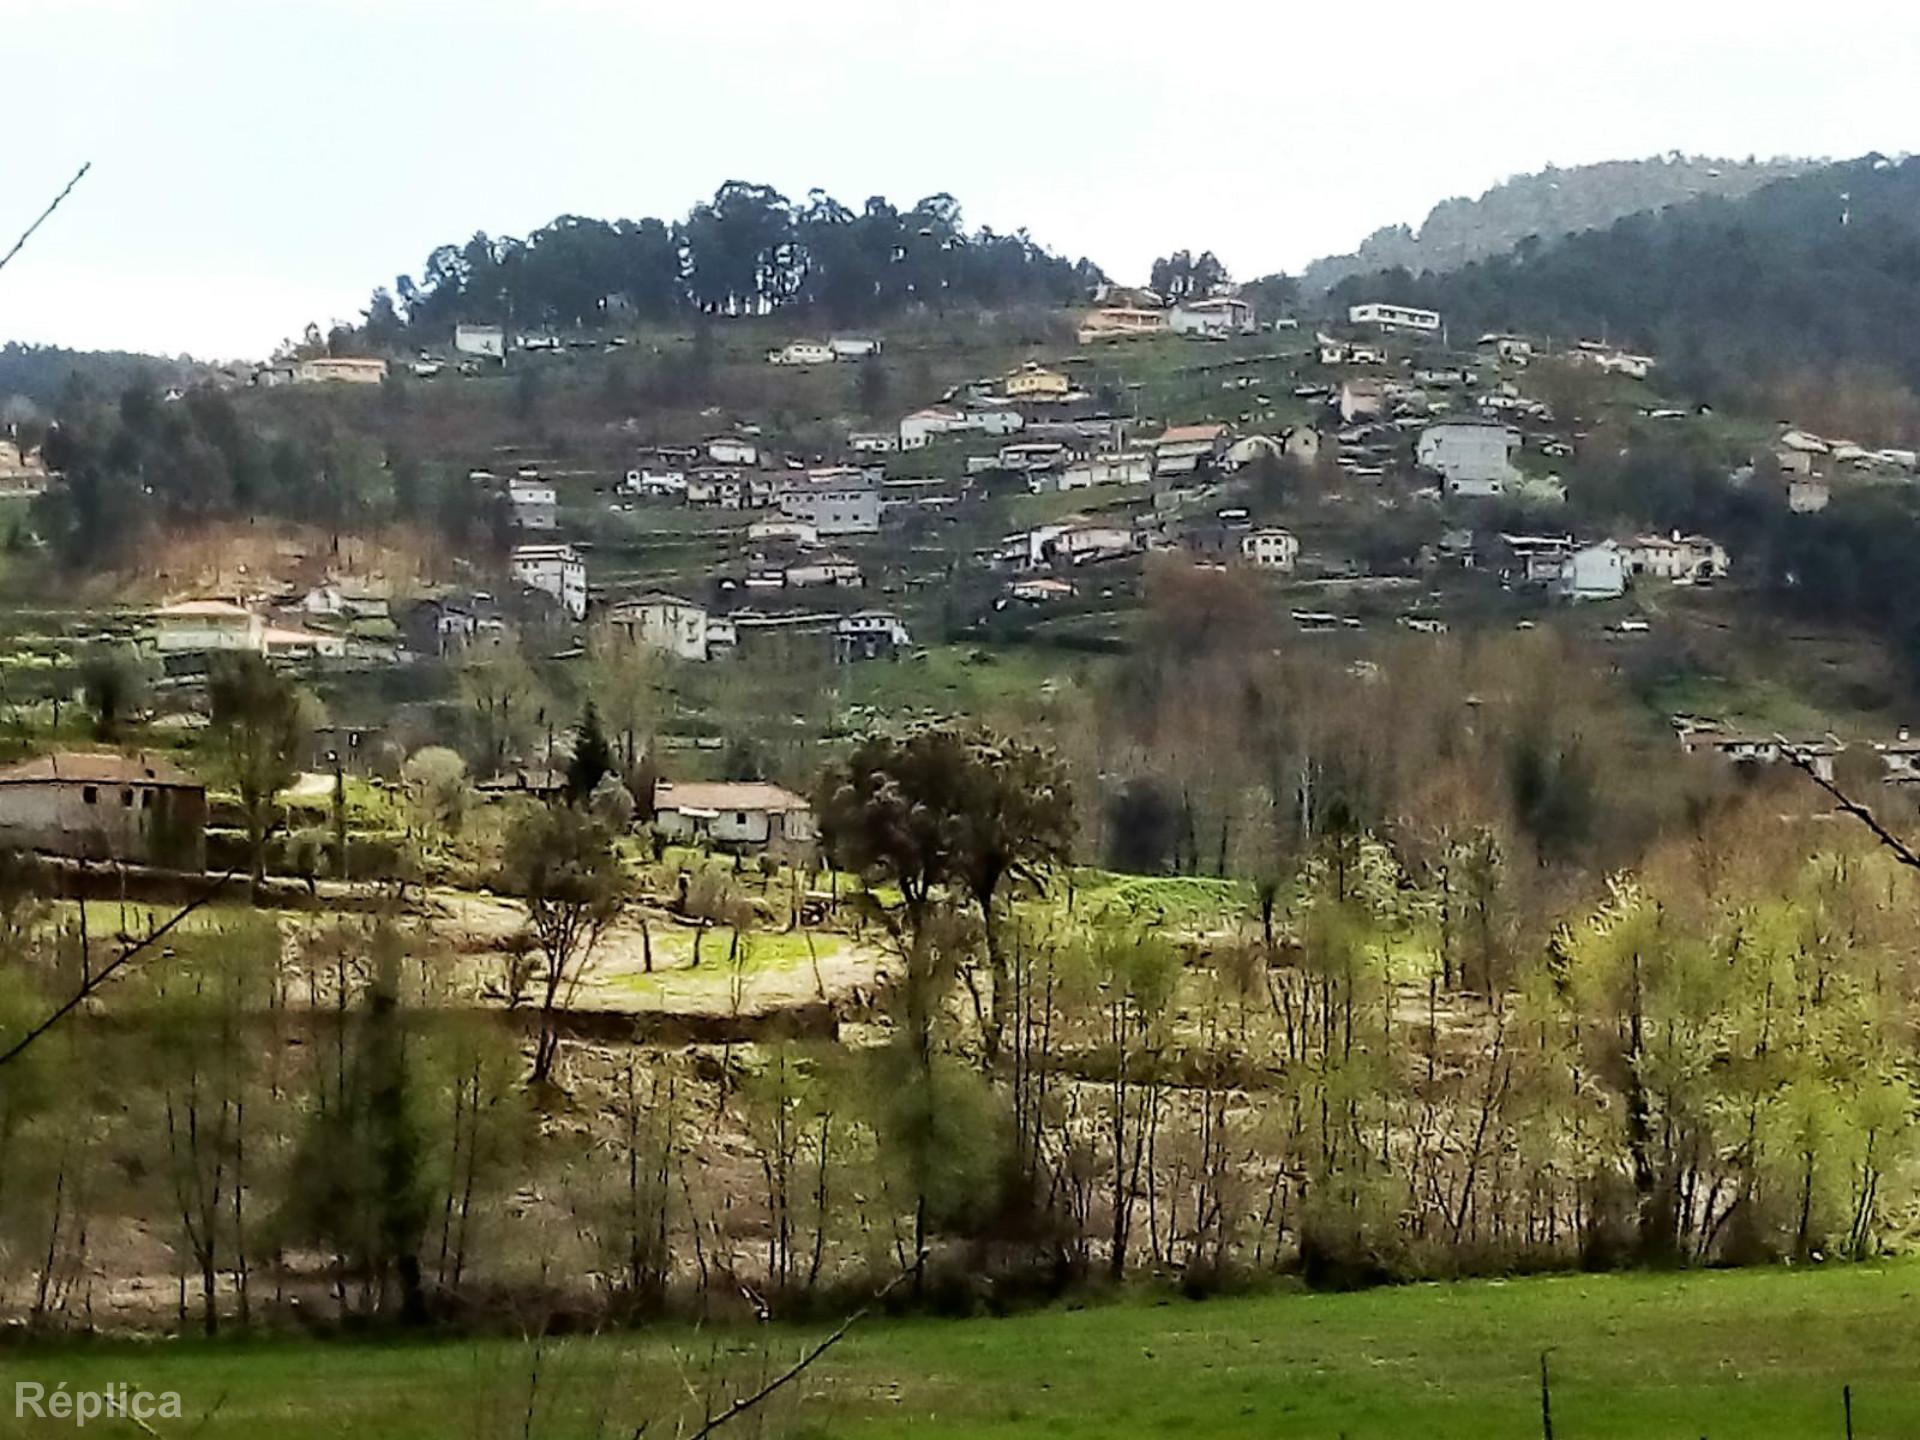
{"x": 1803, "y": 762}
{"x": 748, "y": 1402}
{"x": 27, "y": 234}
{"x": 100, "y": 977}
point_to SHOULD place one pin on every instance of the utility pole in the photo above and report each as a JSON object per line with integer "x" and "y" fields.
{"x": 339, "y": 811}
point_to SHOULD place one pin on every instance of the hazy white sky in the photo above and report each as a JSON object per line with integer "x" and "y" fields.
{"x": 260, "y": 163}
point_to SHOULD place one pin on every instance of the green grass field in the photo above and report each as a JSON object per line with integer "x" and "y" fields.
{"x": 1751, "y": 1354}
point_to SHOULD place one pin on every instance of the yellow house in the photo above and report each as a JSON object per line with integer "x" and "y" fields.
{"x": 1032, "y": 380}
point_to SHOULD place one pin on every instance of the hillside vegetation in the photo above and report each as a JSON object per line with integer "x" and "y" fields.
{"x": 1549, "y": 204}
{"x": 1802, "y": 274}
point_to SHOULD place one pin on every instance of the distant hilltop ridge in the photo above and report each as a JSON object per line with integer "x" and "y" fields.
{"x": 1550, "y": 203}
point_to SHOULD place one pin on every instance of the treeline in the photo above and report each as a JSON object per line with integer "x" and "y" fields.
{"x": 748, "y": 251}
{"x": 1801, "y": 274}
{"x": 1396, "y": 1061}
{"x": 132, "y": 465}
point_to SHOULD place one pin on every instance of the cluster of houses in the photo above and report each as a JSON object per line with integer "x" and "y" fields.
{"x": 1807, "y": 465}
{"x": 144, "y": 809}
{"x": 1131, "y": 314}
{"x": 688, "y": 630}
{"x": 1572, "y": 569}
{"x": 841, "y": 348}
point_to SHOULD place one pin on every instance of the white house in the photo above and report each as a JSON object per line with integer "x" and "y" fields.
{"x": 194, "y": 626}
{"x": 350, "y": 369}
{"x": 1107, "y": 470}
{"x": 1212, "y": 319}
{"x": 555, "y": 570}
{"x": 801, "y": 352}
{"x": 916, "y": 429}
{"x": 656, "y": 484}
{"x": 1361, "y": 399}
{"x": 732, "y": 450}
{"x": 835, "y": 570}
{"x": 1040, "y": 589}
{"x": 1394, "y": 317}
{"x": 1675, "y": 557}
{"x": 663, "y": 622}
{"x": 1514, "y": 349}
{"x": 853, "y": 347}
{"x": 792, "y": 532}
{"x": 486, "y": 342}
{"x": 1473, "y": 458}
{"x": 1593, "y": 572}
{"x": 833, "y": 507}
{"x": 1120, "y": 322}
{"x": 1808, "y": 495}
{"x": 873, "y": 442}
{"x": 746, "y": 813}
{"x": 1270, "y": 548}
{"x": 1182, "y": 449}
{"x": 535, "y": 506}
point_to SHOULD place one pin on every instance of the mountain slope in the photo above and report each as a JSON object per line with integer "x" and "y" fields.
{"x": 1806, "y": 273}
{"x": 1549, "y": 204}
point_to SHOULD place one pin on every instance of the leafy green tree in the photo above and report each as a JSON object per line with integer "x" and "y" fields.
{"x": 561, "y": 862}
{"x": 951, "y": 807}
{"x": 592, "y": 759}
{"x": 259, "y": 724}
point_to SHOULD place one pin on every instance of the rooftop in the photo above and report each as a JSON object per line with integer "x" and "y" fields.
{"x": 724, "y": 795}
{"x": 98, "y": 767}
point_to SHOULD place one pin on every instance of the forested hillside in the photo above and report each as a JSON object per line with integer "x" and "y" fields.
{"x": 1549, "y": 204}
{"x": 749, "y": 250}
{"x": 1803, "y": 274}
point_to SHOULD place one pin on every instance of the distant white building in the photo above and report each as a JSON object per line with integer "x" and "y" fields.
{"x": 1212, "y": 319}
{"x": 348, "y": 369}
{"x": 1394, "y": 317}
{"x": 1675, "y": 557}
{"x": 1107, "y": 470}
{"x": 834, "y": 570}
{"x": 1270, "y": 548}
{"x": 1182, "y": 449}
{"x": 1474, "y": 459}
{"x": 663, "y": 622}
{"x": 534, "y": 503}
{"x": 919, "y": 427}
{"x": 486, "y": 342}
{"x": 743, "y": 813}
{"x": 833, "y": 507}
{"x": 731, "y": 450}
{"x": 1807, "y": 495}
{"x": 873, "y": 442}
{"x": 555, "y": 570}
{"x": 802, "y": 352}
{"x": 1361, "y": 399}
{"x": 194, "y": 626}
{"x": 1593, "y": 572}
{"x": 853, "y": 347}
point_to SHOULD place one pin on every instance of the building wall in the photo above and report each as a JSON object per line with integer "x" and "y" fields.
{"x": 835, "y": 510}
{"x": 1468, "y": 452}
{"x": 192, "y": 635}
{"x": 139, "y": 824}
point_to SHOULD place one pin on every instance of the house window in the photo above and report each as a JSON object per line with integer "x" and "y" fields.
{"x": 89, "y": 795}
{"x": 739, "y": 817}
{"x": 126, "y": 797}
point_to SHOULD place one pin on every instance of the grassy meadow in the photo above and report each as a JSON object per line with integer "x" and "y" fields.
{"x": 1751, "y": 1354}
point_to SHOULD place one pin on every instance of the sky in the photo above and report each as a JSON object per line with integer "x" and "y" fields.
{"x": 261, "y": 163}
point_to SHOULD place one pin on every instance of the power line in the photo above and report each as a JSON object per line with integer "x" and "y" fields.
{"x": 28, "y": 233}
